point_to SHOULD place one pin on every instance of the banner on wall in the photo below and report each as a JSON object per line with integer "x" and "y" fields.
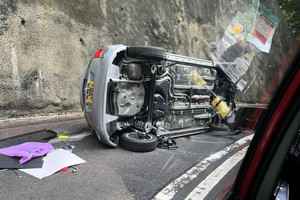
{"x": 248, "y": 32}
{"x": 263, "y": 30}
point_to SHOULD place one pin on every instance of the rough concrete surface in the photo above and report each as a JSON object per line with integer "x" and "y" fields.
{"x": 45, "y": 45}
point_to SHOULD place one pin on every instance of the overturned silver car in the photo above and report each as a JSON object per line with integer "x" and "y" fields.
{"x": 132, "y": 95}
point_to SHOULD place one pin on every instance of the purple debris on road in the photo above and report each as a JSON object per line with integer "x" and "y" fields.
{"x": 27, "y": 150}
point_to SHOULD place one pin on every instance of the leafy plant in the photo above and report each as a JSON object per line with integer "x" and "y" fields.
{"x": 291, "y": 13}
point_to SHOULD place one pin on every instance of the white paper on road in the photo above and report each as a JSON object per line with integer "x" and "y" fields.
{"x": 53, "y": 162}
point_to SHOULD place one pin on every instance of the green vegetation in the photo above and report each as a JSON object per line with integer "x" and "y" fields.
{"x": 291, "y": 13}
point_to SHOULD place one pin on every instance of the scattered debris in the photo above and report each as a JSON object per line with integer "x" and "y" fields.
{"x": 167, "y": 143}
{"x": 13, "y": 163}
{"x": 69, "y": 138}
{"x": 75, "y": 170}
{"x": 65, "y": 169}
{"x": 63, "y": 136}
{"x": 27, "y": 150}
{"x": 68, "y": 147}
{"x": 54, "y": 162}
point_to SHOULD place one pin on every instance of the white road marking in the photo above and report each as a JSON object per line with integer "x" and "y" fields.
{"x": 169, "y": 191}
{"x": 167, "y": 163}
{"x": 207, "y": 142}
{"x": 203, "y": 189}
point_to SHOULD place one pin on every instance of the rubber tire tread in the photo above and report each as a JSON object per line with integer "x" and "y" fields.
{"x": 155, "y": 53}
{"x": 138, "y": 145}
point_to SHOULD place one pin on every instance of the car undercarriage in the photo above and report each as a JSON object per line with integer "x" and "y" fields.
{"x": 147, "y": 91}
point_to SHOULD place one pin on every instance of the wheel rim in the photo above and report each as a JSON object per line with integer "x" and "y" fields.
{"x": 135, "y": 136}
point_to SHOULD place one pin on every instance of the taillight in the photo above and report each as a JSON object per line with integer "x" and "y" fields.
{"x": 99, "y": 53}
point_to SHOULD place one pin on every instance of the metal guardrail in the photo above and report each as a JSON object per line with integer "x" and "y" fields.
{"x": 251, "y": 105}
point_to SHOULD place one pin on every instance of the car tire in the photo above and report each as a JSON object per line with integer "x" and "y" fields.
{"x": 130, "y": 141}
{"x": 155, "y": 53}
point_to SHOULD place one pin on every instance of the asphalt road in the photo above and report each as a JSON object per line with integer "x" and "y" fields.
{"x": 113, "y": 173}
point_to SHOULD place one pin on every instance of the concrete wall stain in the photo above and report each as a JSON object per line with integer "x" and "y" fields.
{"x": 7, "y": 7}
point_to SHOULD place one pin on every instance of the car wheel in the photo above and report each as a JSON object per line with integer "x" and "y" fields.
{"x": 146, "y": 53}
{"x": 132, "y": 142}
